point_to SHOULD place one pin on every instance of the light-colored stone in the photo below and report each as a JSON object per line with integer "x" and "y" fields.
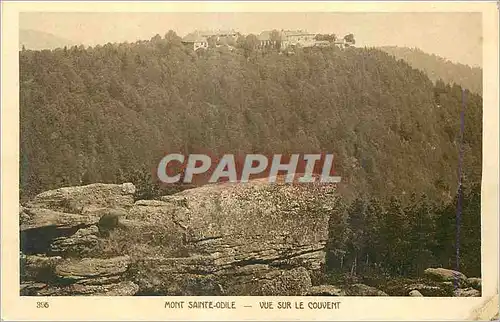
{"x": 221, "y": 239}
{"x": 364, "y": 290}
{"x": 445, "y": 275}
{"x": 415, "y": 293}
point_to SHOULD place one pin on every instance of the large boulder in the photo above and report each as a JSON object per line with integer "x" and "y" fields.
{"x": 254, "y": 222}
{"x": 445, "y": 275}
{"x": 81, "y": 199}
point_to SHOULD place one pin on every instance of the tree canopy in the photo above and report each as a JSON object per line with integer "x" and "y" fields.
{"x": 100, "y": 114}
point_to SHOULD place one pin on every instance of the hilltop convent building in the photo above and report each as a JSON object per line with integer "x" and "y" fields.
{"x": 285, "y": 38}
{"x": 199, "y": 39}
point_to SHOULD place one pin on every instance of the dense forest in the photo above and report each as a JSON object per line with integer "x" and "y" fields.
{"x": 369, "y": 237}
{"x": 439, "y": 68}
{"x": 109, "y": 113}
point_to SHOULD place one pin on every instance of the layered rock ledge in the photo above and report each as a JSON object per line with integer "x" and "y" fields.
{"x": 223, "y": 239}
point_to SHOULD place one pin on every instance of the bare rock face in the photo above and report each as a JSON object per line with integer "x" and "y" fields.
{"x": 86, "y": 198}
{"x": 223, "y": 239}
{"x": 467, "y": 292}
{"x": 45, "y": 276}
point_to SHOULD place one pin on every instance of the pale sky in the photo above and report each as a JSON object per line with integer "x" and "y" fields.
{"x": 455, "y": 36}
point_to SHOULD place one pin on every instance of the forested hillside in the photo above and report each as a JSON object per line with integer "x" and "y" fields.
{"x": 109, "y": 113}
{"x": 439, "y": 68}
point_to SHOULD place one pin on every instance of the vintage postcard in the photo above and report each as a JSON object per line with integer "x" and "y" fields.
{"x": 249, "y": 161}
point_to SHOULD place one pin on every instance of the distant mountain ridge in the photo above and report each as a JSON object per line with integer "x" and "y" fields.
{"x": 38, "y": 40}
{"x": 437, "y": 67}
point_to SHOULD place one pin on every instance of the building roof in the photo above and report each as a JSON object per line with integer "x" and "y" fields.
{"x": 194, "y": 37}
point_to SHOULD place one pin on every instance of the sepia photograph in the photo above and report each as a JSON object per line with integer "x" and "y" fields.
{"x": 290, "y": 154}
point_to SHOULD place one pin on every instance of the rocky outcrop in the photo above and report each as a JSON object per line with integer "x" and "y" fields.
{"x": 223, "y": 239}
{"x": 466, "y": 292}
{"x": 445, "y": 275}
{"x": 434, "y": 285}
